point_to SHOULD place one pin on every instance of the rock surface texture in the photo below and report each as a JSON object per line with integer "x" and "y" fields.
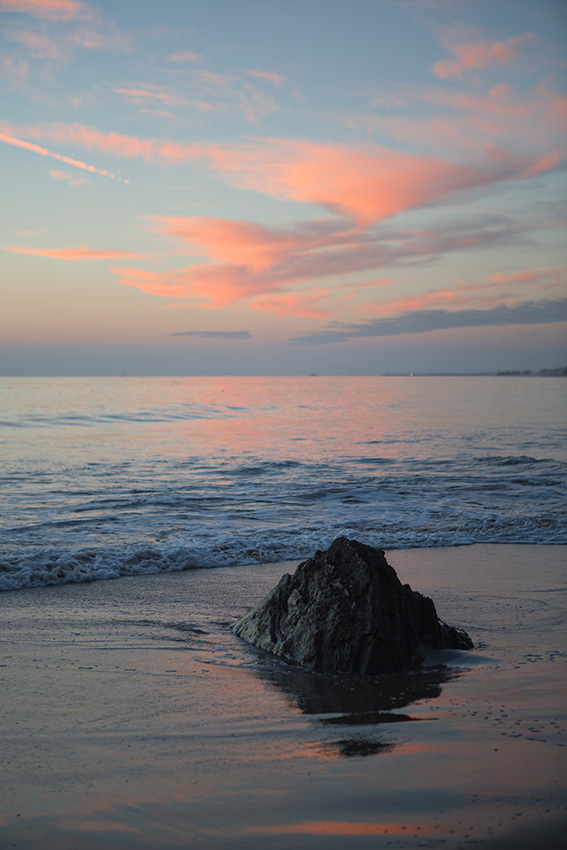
{"x": 346, "y": 611}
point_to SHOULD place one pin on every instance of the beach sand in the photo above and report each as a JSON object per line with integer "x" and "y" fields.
{"x": 133, "y": 718}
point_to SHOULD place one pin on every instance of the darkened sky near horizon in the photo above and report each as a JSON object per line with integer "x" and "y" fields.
{"x": 268, "y": 187}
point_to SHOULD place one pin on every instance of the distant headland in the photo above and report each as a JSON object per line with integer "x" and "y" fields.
{"x": 556, "y": 372}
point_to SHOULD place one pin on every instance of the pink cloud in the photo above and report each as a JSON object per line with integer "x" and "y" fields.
{"x": 304, "y": 306}
{"x": 216, "y": 286}
{"x": 435, "y": 298}
{"x": 267, "y": 267}
{"x": 227, "y": 92}
{"x": 270, "y": 76}
{"x": 59, "y": 45}
{"x": 150, "y": 93}
{"x": 251, "y": 259}
{"x": 367, "y": 184}
{"x": 143, "y": 93}
{"x": 13, "y": 69}
{"x": 213, "y": 80}
{"x": 37, "y": 45}
{"x": 516, "y": 277}
{"x": 236, "y": 242}
{"x": 76, "y": 254}
{"x": 68, "y": 178}
{"x": 59, "y": 175}
{"x": 480, "y": 55}
{"x": 185, "y": 56}
{"x": 492, "y": 289}
{"x": 470, "y": 124}
{"x": 254, "y": 103}
{"x": 210, "y": 285}
{"x": 65, "y": 9}
{"x": 151, "y": 150}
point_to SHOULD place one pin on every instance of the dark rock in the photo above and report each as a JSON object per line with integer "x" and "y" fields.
{"x": 346, "y": 611}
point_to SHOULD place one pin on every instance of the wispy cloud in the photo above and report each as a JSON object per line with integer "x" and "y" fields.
{"x": 160, "y": 151}
{"x": 76, "y": 254}
{"x": 68, "y": 178}
{"x": 216, "y": 334}
{"x": 58, "y": 9}
{"x": 60, "y": 47}
{"x": 473, "y": 56}
{"x": 424, "y": 321}
{"x": 25, "y": 234}
{"x": 467, "y": 123}
{"x": 186, "y": 56}
{"x": 307, "y": 306}
{"x": 270, "y": 76}
{"x": 59, "y": 175}
{"x": 51, "y": 35}
{"x": 76, "y": 163}
{"x": 492, "y": 288}
{"x": 138, "y": 94}
{"x": 148, "y": 95}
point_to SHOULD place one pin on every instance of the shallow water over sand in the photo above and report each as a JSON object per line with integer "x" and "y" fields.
{"x": 134, "y": 718}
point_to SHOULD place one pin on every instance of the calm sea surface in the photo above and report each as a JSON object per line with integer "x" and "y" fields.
{"x": 107, "y": 477}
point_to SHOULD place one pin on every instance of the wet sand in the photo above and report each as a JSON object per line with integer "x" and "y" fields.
{"x": 133, "y": 718}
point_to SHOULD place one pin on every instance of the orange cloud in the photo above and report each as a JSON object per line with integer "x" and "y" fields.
{"x": 76, "y": 254}
{"x": 472, "y": 56}
{"x": 29, "y": 146}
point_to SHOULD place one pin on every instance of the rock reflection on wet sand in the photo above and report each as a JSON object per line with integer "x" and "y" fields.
{"x": 360, "y": 705}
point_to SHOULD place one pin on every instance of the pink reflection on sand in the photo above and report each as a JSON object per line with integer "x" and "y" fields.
{"x": 329, "y": 827}
{"x": 77, "y": 823}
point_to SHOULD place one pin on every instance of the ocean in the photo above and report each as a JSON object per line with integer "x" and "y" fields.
{"x": 111, "y": 477}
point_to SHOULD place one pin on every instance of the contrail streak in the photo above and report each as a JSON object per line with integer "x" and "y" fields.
{"x": 77, "y": 163}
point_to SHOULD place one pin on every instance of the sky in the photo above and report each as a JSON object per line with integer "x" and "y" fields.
{"x": 268, "y": 187}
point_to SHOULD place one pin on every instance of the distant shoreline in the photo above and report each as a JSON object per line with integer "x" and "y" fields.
{"x": 559, "y": 372}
